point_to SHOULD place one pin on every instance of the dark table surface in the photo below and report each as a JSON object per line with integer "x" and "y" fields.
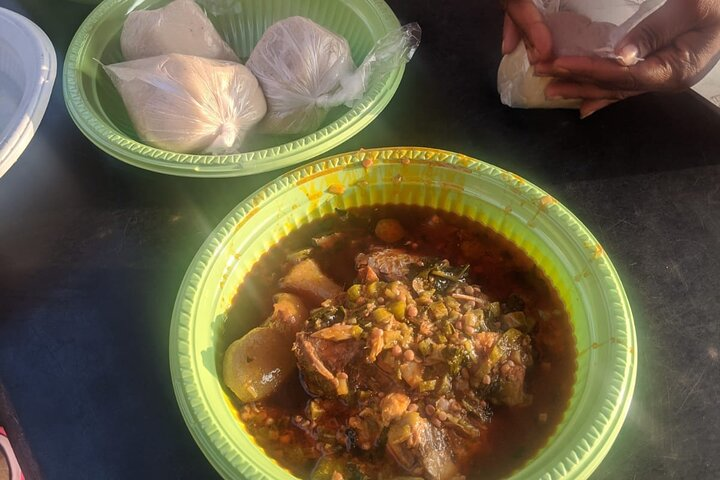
{"x": 92, "y": 252}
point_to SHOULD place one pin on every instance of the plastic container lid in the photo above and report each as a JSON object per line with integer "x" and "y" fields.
{"x": 27, "y": 72}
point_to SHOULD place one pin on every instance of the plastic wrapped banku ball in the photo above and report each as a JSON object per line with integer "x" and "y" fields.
{"x": 189, "y": 104}
{"x": 305, "y": 70}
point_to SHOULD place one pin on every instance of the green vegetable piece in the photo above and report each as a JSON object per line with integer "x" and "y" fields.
{"x": 455, "y": 358}
{"x": 475, "y": 409}
{"x": 443, "y": 276}
{"x": 495, "y": 356}
{"x": 455, "y": 364}
{"x": 519, "y": 321}
{"x": 398, "y": 309}
{"x": 382, "y": 315}
{"x": 326, "y": 316}
{"x": 451, "y": 303}
{"x": 445, "y": 386}
{"x": 425, "y": 347}
{"x": 464, "y": 426}
{"x": 354, "y": 293}
{"x": 482, "y": 369}
{"x": 438, "y": 310}
{"x": 427, "y": 385}
{"x": 510, "y": 337}
{"x": 294, "y": 454}
{"x": 401, "y": 429}
{"x": 392, "y": 337}
{"x": 316, "y": 411}
{"x": 300, "y": 255}
{"x": 325, "y": 467}
{"x": 371, "y": 289}
{"x": 509, "y": 341}
{"x": 352, "y": 472}
{"x": 510, "y": 393}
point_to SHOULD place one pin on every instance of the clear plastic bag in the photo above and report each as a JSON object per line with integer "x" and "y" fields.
{"x": 179, "y": 27}
{"x": 579, "y": 28}
{"x": 305, "y": 70}
{"x": 188, "y": 104}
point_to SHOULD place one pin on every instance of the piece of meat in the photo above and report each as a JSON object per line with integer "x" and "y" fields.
{"x": 392, "y": 406}
{"x": 484, "y": 343}
{"x": 389, "y": 263}
{"x": 507, "y": 361}
{"x": 376, "y": 342}
{"x": 511, "y": 384}
{"x": 338, "y": 332}
{"x": 308, "y": 280}
{"x": 421, "y": 448}
{"x": 289, "y": 314}
{"x": 412, "y": 373}
{"x": 321, "y": 360}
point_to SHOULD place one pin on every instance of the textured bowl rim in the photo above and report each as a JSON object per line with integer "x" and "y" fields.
{"x": 578, "y": 463}
{"x": 128, "y": 150}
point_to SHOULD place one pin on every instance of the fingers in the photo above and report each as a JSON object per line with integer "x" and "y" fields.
{"x": 594, "y": 97}
{"x": 560, "y": 89}
{"x": 672, "y": 68}
{"x": 601, "y": 71}
{"x": 655, "y": 32}
{"x": 693, "y": 55}
{"x": 530, "y": 22}
{"x": 589, "y": 107}
{"x": 511, "y": 36}
{"x": 680, "y": 43}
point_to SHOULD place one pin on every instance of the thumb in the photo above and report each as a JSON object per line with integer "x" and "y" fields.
{"x": 655, "y": 32}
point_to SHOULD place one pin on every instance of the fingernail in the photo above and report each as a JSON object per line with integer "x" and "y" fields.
{"x": 502, "y": 48}
{"x": 552, "y": 94}
{"x": 629, "y": 55}
{"x": 556, "y": 70}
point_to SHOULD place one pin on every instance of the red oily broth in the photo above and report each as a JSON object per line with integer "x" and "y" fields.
{"x": 515, "y": 434}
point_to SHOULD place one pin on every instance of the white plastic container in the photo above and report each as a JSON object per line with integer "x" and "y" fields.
{"x": 27, "y": 72}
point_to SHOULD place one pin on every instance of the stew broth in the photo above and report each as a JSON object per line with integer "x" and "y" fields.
{"x": 503, "y": 271}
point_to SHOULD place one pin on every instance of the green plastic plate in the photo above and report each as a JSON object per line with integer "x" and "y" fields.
{"x": 559, "y": 244}
{"x": 98, "y": 111}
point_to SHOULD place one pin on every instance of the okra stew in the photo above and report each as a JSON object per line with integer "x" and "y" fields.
{"x": 398, "y": 342}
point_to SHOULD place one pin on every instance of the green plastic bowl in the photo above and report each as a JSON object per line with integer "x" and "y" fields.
{"x": 562, "y": 247}
{"x": 97, "y": 109}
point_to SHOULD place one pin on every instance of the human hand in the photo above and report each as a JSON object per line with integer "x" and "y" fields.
{"x": 680, "y": 43}
{"x": 523, "y": 21}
